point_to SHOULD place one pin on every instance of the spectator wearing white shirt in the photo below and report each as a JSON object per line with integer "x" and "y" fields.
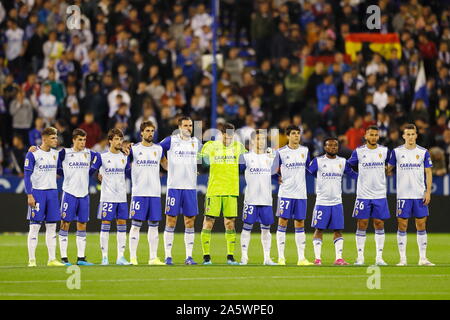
{"x": 52, "y": 48}
{"x": 380, "y": 97}
{"x": 47, "y": 107}
{"x": 201, "y": 18}
{"x": 374, "y": 65}
{"x": 14, "y": 46}
{"x": 112, "y": 99}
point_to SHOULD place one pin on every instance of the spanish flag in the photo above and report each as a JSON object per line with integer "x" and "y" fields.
{"x": 376, "y": 42}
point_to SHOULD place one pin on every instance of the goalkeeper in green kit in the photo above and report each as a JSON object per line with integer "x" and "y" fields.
{"x": 222, "y": 156}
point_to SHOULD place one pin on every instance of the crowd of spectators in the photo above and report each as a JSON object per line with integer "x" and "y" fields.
{"x": 140, "y": 60}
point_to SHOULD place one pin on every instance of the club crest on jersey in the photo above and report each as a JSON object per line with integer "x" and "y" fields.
{"x": 417, "y": 157}
{"x": 193, "y": 145}
{"x": 380, "y": 155}
{"x": 154, "y": 153}
{"x": 63, "y": 215}
{"x": 33, "y": 214}
{"x": 104, "y": 214}
{"x": 26, "y": 162}
{"x": 340, "y": 166}
{"x": 133, "y": 213}
{"x": 54, "y": 157}
{"x": 356, "y": 212}
{"x": 303, "y": 156}
{"x": 85, "y": 156}
{"x": 123, "y": 161}
{"x": 399, "y": 211}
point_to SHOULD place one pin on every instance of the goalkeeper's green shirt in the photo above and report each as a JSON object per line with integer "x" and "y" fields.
{"x": 224, "y": 167}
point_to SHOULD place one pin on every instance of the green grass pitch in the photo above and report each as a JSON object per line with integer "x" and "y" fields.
{"x": 221, "y": 281}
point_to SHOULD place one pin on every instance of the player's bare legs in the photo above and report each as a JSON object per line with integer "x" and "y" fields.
{"x": 189, "y": 236}
{"x": 402, "y": 240}
{"x": 422, "y": 241}
{"x": 171, "y": 222}
{"x": 317, "y": 243}
{"x": 230, "y": 236}
{"x": 208, "y": 224}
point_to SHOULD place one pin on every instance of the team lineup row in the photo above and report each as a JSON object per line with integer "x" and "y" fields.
{"x": 225, "y": 157}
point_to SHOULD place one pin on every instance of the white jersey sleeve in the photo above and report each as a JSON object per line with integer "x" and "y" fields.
{"x": 328, "y": 174}
{"x": 112, "y": 168}
{"x": 43, "y": 165}
{"x": 293, "y": 163}
{"x": 182, "y": 162}
{"x": 371, "y": 172}
{"x": 258, "y": 178}
{"x": 145, "y": 179}
{"x": 410, "y": 166}
{"x": 76, "y": 167}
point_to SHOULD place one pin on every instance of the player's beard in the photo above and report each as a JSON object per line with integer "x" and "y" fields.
{"x": 331, "y": 154}
{"x": 148, "y": 140}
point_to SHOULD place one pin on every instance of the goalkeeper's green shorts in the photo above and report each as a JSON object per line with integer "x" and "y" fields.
{"x": 227, "y": 205}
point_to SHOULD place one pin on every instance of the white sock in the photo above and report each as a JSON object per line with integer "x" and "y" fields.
{"x": 50, "y": 240}
{"x": 168, "y": 241}
{"x": 33, "y": 240}
{"x": 338, "y": 247}
{"x": 245, "y": 242}
{"x": 379, "y": 243}
{"x": 402, "y": 240}
{"x": 422, "y": 243}
{"x": 360, "y": 243}
{"x": 189, "y": 236}
{"x": 300, "y": 241}
{"x": 153, "y": 240}
{"x": 63, "y": 242}
{"x": 121, "y": 239}
{"x": 266, "y": 241}
{"x": 134, "y": 238}
{"x": 104, "y": 239}
{"x": 81, "y": 243}
{"x": 317, "y": 243}
{"x": 281, "y": 241}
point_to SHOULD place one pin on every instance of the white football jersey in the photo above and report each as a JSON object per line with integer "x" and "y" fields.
{"x": 112, "y": 168}
{"x": 258, "y": 177}
{"x": 293, "y": 163}
{"x": 410, "y": 165}
{"x": 371, "y": 171}
{"x": 329, "y": 174}
{"x": 182, "y": 162}
{"x": 43, "y": 164}
{"x": 145, "y": 180}
{"x": 76, "y": 167}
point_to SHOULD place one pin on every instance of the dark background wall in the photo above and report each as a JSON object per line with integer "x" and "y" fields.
{"x": 13, "y": 212}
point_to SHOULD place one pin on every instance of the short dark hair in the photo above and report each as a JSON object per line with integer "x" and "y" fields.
{"x": 291, "y": 128}
{"x": 183, "y": 118}
{"x": 114, "y": 132}
{"x": 49, "y": 131}
{"x": 146, "y": 124}
{"x": 256, "y": 132}
{"x": 329, "y": 139}
{"x": 78, "y": 133}
{"x": 410, "y": 126}
{"x": 372, "y": 128}
{"x": 227, "y": 126}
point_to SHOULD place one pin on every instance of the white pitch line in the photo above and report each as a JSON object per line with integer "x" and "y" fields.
{"x": 222, "y": 278}
{"x": 320, "y": 294}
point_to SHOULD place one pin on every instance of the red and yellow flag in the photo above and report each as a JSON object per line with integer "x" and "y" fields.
{"x": 380, "y": 43}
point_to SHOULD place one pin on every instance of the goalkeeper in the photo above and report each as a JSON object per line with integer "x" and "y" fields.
{"x": 222, "y": 156}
